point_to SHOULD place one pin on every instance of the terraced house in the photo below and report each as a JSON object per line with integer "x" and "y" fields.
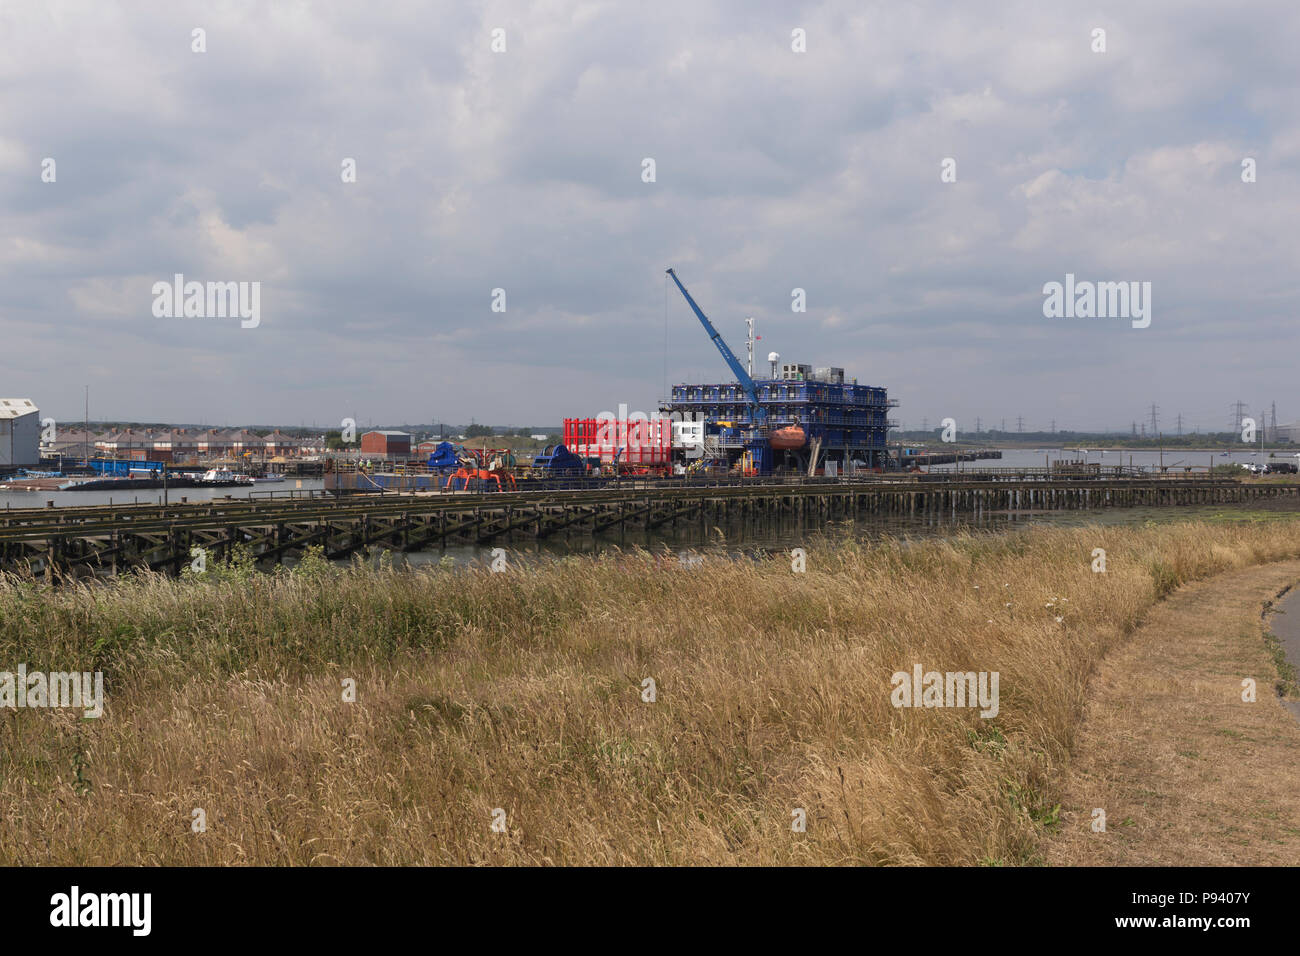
{"x": 182, "y": 444}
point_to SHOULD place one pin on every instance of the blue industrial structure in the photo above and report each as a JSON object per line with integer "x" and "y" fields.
{"x": 851, "y": 421}
{"x": 123, "y": 468}
{"x": 782, "y": 422}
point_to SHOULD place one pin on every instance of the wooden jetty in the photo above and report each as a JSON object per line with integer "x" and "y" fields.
{"x": 83, "y": 540}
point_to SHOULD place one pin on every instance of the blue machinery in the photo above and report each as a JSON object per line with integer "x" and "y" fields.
{"x": 445, "y": 457}
{"x": 558, "y": 461}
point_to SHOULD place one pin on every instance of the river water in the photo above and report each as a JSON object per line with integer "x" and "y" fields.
{"x": 690, "y": 539}
{"x": 1112, "y": 457}
{"x": 1284, "y": 622}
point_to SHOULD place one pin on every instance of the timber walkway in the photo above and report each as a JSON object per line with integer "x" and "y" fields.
{"x": 84, "y": 540}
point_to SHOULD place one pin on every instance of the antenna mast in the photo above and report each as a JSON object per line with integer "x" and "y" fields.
{"x": 750, "y": 323}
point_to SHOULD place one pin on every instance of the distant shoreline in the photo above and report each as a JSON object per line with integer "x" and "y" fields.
{"x": 1284, "y": 450}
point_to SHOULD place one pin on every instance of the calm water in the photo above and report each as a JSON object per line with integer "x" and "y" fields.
{"x": 735, "y": 541}
{"x": 1029, "y": 458}
{"x": 739, "y": 542}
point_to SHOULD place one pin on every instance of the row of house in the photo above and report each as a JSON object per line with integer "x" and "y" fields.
{"x": 185, "y": 444}
{"x": 180, "y": 444}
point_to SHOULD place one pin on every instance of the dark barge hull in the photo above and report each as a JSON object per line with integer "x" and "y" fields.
{"x": 149, "y": 484}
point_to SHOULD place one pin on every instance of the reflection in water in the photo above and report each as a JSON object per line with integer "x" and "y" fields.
{"x": 760, "y": 539}
{"x": 742, "y": 539}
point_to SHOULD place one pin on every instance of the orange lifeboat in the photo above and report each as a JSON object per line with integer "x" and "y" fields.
{"x": 788, "y": 438}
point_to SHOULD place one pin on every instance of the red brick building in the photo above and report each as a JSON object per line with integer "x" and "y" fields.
{"x": 387, "y": 444}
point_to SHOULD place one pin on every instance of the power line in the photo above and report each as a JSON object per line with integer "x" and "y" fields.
{"x": 1239, "y": 409}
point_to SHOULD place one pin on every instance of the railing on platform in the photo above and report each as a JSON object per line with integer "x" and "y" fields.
{"x": 281, "y": 493}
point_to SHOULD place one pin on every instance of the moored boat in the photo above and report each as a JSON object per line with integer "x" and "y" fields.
{"x": 224, "y": 476}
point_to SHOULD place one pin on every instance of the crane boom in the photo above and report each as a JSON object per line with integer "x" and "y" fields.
{"x": 747, "y": 383}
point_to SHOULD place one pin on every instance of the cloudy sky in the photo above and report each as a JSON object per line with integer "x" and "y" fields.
{"x": 522, "y": 170}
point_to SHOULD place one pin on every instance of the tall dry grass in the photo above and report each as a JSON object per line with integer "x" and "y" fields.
{"x": 522, "y": 690}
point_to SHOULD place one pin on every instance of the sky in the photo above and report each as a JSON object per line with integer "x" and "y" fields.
{"x": 921, "y": 171}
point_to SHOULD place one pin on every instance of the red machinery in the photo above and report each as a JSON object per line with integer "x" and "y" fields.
{"x": 483, "y": 475}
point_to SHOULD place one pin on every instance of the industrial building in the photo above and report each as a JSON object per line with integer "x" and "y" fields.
{"x": 798, "y": 419}
{"x": 1287, "y": 433}
{"x": 20, "y": 433}
{"x": 387, "y": 444}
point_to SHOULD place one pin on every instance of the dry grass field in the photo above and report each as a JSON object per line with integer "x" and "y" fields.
{"x": 523, "y": 691}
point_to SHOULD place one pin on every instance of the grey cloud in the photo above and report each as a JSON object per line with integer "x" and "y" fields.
{"x": 522, "y": 171}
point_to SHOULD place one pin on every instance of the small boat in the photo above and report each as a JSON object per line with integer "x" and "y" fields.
{"x": 788, "y": 438}
{"x": 263, "y": 479}
{"x": 224, "y": 476}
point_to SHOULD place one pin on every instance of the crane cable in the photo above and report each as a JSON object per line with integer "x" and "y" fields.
{"x": 664, "y": 393}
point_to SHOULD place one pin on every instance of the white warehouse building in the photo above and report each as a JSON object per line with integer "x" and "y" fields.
{"x": 20, "y": 433}
{"x": 1289, "y": 433}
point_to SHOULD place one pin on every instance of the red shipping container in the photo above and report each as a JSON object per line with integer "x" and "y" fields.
{"x": 635, "y": 441}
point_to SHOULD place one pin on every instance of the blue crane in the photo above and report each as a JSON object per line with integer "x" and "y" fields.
{"x": 747, "y": 383}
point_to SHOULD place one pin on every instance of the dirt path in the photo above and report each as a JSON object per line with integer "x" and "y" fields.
{"x": 1186, "y": 772}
